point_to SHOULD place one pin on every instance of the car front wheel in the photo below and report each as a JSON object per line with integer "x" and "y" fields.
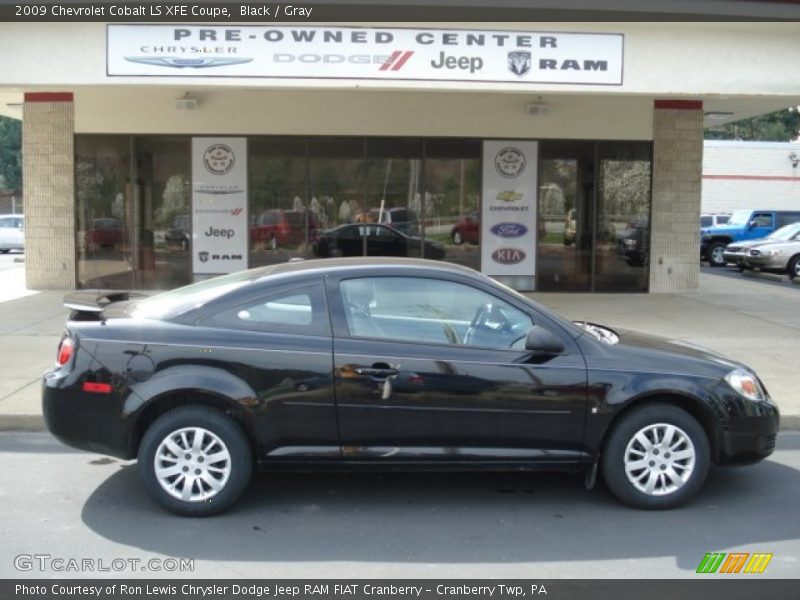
{"x": 794, "y": 268}
{"x": 195, "y": 461}
{"x": 656, "y": 457}
{"x": 715, "y": 254}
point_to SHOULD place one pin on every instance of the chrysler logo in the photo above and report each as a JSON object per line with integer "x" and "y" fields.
{"x": 508, "y": 256}
{"x": 182, "y": 63}
{"x": 219, "y": 159}
{"x": 509, "y": 230}
{"x": 510, "y": 162}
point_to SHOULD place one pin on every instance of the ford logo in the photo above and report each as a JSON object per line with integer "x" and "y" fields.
{"x": 509, "y": 230}
{"x": 508, "y": 256}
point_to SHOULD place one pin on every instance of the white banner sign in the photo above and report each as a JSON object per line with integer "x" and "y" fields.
{"x": 219, "y": 205}
{"x": 508, "y": 220}
{"x": 330, "y": 52}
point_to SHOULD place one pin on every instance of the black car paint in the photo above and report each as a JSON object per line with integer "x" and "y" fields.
{"x": 452, "y": 405}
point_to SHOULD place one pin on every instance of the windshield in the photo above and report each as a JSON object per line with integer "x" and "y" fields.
{"x": 740, "y": 217}
{"x": 177, "y": 301}
{"x": 785, "y": 233}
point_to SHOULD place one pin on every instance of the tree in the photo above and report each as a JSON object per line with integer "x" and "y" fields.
{"x": 11, "y": 152}
{"x": 780, "y": 126}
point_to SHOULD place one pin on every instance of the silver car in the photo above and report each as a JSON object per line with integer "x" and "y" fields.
{"x": 738, "y": 253}
{"x": 776, "y": 257}
{"x": 12, "y": 233}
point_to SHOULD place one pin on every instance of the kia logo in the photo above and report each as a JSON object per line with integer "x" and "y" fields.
{"x": 508, "y": 256}
{"x": 509, "y": 230}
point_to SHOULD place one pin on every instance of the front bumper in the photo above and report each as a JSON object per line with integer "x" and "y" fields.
{"x": 767, "y": 263}
{"x": 737, "y": 258}
{"x": 748, "y": 432}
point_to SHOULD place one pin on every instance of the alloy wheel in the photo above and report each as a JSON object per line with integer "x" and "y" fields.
{"x": 659, "y": 459}
{"x": 192, "y": 464}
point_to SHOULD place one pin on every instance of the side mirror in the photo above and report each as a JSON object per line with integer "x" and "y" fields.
{"x": 752, "y": 224}
{"x": 541, "y": 341}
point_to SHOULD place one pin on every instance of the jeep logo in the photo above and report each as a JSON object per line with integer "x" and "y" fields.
{"x": 224, "y": 233}
{"x": 463, "y": 63}
{"x": 509, "y": 230}
{"x": 508, "y": 256}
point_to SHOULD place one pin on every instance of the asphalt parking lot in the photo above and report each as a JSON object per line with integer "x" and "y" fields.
{"x": 768, "y": 279}
{"x": 72, "y": 504}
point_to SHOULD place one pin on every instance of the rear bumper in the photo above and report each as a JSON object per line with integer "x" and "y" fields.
{"x": 84, "y": 420}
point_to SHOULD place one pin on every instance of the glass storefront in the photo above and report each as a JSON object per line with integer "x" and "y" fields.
{"x": 352, "y": 196}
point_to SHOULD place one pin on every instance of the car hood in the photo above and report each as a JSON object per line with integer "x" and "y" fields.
{"x": 790, "y": 246}
{"x": 750, "y": 243}
{"x": 646, "y": 352}
{"x": 721, "y": 229}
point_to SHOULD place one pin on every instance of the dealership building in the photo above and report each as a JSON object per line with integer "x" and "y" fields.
{"x": 553, "y": 156}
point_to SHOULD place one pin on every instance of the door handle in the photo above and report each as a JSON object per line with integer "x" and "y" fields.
{"x": 377, "y": 372}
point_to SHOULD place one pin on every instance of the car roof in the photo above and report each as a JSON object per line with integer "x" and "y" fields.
{"x": 357, "y": 262}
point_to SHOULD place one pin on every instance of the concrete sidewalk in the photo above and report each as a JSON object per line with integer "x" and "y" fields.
{"x": 741, "y": 318}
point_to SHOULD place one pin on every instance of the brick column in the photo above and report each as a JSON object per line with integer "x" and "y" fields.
{"x": 49, "y": 178}
{"x": 677, "y": 180}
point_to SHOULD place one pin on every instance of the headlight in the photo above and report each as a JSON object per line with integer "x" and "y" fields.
{"x": 745, "y": 383}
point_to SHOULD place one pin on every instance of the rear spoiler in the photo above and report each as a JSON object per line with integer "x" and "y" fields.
{"x": 93, "y": 302}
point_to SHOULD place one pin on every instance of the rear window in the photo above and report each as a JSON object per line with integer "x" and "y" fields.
{"x": 178, "y": 301}
{"x": 722, "y": 219}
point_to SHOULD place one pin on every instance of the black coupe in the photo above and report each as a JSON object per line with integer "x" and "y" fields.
{"x": 388, "y": 363}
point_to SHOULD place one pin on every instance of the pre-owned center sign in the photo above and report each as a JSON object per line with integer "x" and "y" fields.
{"x": 365, "y": 53}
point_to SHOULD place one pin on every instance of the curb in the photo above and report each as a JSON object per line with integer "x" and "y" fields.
{"x": 35, "y": 423}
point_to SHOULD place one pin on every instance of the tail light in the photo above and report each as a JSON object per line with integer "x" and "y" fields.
{"x": 65, "y": 351}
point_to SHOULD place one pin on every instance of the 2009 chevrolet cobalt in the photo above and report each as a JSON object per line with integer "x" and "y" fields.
{"x": 388, "y": 363}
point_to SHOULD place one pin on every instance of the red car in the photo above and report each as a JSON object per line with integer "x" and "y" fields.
{"x": 467, "y": 229}
{"x": 105, "y": 233}
{"x": 273, "y": 228}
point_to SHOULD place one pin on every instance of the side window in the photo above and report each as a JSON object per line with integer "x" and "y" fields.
{"x": 5, "y": 223}
{"x": 299, "y": 310}
{"x": 706, "y": 221}
{"x": 787, "y": 219}
{"x": 431, "y": 311}
{"x": 762, "y": 219}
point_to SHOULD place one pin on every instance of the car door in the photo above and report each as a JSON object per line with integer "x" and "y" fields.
{"x": 421, "y": 375}
{"x": 761, "y": 225}
{"x": 382, "y": 241}
{"x": 5, "y": 232}
{"x": 278, "y": 341}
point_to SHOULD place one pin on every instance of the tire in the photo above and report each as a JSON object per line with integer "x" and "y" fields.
{"x": 622, "y": 446}
{"x": 5, "y": 250}
{"x": 458, "y": 238}
{"x": 793, "y": 270}
{"x": 714, "y": 254}
{"x": 220, "y": 433}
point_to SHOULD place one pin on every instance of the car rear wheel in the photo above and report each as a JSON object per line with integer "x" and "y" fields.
{"x": 715, "y": 254}
{"x": 656, "y": 457}
{"x": 195, "y": 461}
{"x": 794, "y": 267}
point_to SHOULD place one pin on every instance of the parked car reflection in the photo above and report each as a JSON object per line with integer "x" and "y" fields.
{"x": 379, "y": 240}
